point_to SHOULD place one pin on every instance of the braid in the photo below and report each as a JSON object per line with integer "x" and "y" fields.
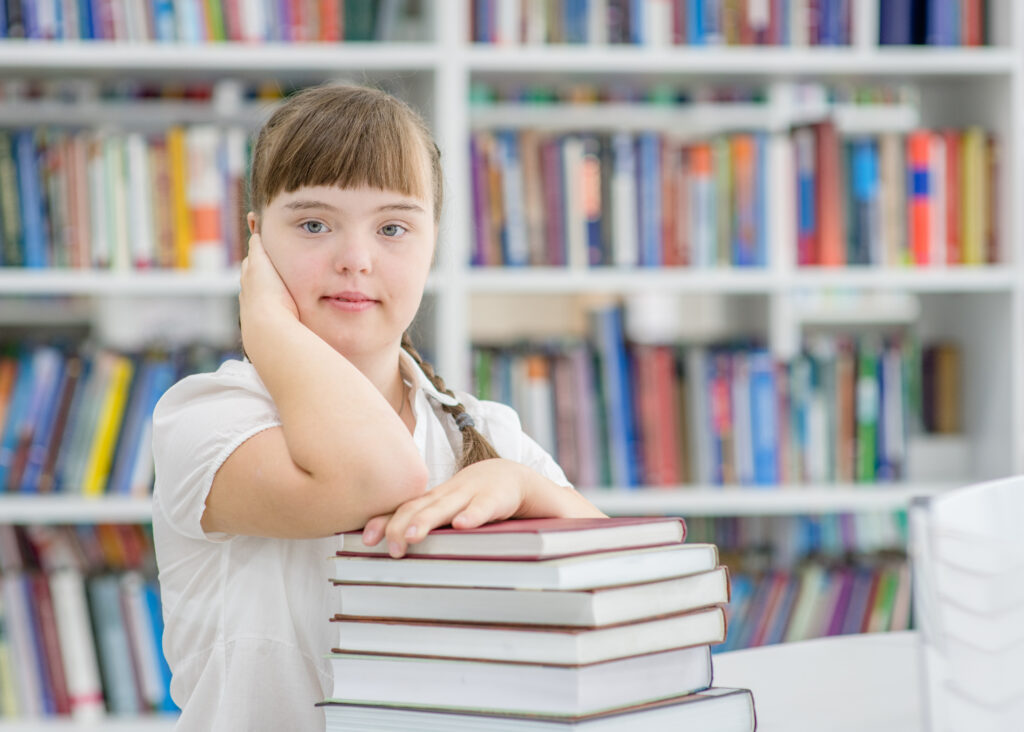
{"x": 475, "y": 447}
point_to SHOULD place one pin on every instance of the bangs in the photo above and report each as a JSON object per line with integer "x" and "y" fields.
{"x": 361, "y": 140}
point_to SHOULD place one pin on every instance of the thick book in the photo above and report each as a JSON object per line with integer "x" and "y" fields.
{"x": 579, "y": 608}
{"x": 565, "y": 573}
{"x": 443, "y": 683}
{"x": 557, "y": 646}
{"x": 535, "y": 538}
{"x": 713, "y": 710}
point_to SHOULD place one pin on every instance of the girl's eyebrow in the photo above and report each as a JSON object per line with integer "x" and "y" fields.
{"x": 302, "y": 205}
{"x": 403, "y": 206}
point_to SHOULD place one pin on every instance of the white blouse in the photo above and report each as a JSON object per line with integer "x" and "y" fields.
{"x": 246, "y": 618}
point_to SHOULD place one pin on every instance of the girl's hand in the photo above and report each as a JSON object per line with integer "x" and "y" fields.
{"x": 490, "y": 490}
{"x": 263, "y": 292}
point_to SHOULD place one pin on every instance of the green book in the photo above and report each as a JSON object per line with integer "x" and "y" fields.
{"x": 867, "y": 410}
{"x": 11, "y": 253}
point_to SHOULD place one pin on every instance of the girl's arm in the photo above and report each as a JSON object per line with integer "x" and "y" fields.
{"x": 490, "y": 490}
{"x": 341, "y": 456}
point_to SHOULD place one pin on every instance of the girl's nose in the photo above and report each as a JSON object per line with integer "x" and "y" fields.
{"x": 354, "y": 253}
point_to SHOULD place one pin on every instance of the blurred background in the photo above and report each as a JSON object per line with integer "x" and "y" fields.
{"x": 756, "y": 263}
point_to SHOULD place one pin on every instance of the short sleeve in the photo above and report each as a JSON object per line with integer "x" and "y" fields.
{"x": 501, "y": 425}
{"x": 197, "y": 424}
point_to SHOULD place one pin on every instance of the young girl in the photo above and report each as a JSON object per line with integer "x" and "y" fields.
{"x": 333, "y": 423}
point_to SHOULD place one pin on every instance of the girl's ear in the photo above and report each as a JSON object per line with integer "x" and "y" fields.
{"x": 253, "y": 223}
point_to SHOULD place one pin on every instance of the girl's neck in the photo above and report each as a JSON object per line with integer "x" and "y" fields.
{"x": 384, "y": 373}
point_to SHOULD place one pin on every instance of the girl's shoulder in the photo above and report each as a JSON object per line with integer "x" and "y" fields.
{"x": 234, "y": 379}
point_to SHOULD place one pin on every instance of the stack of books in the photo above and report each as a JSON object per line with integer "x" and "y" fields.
{"x": 968, "y": 556}
{"x": 590, "y": 624}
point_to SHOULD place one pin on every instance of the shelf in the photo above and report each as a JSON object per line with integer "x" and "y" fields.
{"x": 151, "y": 723}
{"x": 547, "y": 280}
{"x": 68, "y": 509}
{"x": 20, "y": 281}
{"x": 743, "y": 62}
{"x": 205, "y": 59}
{"x": 127, "y": 114}
{"x": 989, "y": 278}
{"x": 774, "y": 500}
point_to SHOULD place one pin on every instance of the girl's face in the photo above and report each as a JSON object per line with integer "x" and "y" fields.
{"x": 355, "y": 261}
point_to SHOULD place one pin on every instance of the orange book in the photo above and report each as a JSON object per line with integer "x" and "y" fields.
{"x": 179, "y": 197}
{"x": 920, "y": 203}
{"x": 831, "y": 244}
{"x": 954, "y": 251}
{"x": 330, "y": 20}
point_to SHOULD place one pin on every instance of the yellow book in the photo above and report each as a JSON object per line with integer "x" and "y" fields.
{"x": 101, "y": 451}
{"x": 179, "y": 197}
{"x": 974, "y": 195}
{"x": 8, "y": 699}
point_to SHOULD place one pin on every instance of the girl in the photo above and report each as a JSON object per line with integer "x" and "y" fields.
{"x": 333, "y": 423}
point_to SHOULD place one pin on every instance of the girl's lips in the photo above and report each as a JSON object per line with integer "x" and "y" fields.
{"x": 351, "y": 304}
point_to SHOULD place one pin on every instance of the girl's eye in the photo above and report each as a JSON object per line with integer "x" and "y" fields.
{"x": 313, "y": 227}
{"x": 392, "y": 230}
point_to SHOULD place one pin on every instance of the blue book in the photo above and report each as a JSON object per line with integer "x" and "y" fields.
{"x": 151, "y": 592}
{"x": 21, "y": 395}
{"x": 637, "y": 22}
{"x": 865, "y": 196}
{"x": 575, "y": 20}
{"x": 3, "y": 34}
{"x": 780, "y": 620}
{"x": 95, "y": 19}
{"x": 50, "y": 365}
{"x": 30, "y": 17}
{"x": 163, "y": 21}
{"x": 649, "y": 198}
{"x": 64, "y": 454}
{"x": 594, "y": 204}
{"x": 483, "y": 21}
{"x": 764, "y": 418}
{"x": 695, "y": 22}
{"x": 515, "y": 249}
{"x": 31, "y": 195}
{"x": 894, "y": 26}
{"x": 617, "y": 386}
{"x": 760, "y": 200}
{"x": 112, "y": 644}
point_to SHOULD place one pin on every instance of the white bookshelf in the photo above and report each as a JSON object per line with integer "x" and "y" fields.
{"x": 982, "y": 307}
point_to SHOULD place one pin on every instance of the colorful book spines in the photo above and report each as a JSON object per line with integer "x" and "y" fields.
{"x": 122, "y": 201}
{"x": 206, "y": 21}
{"x": 79, "y": 423}
{"x": 924, "y": 199}
{"x": 662, "y": 23}
{"x": 839, "y": 412}
{"x": 623, "y": 200}
{"x": 932, "y": 22}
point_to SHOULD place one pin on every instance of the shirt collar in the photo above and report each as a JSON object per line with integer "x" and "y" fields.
{"x": 412, "y": 373}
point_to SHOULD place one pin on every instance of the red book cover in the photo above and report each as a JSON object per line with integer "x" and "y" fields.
{"x": 330, "y": 12}
{"x": 233, "y": 20}
{"x": 679, "y": 22}
{"x": 523, "y": 538}
{"x": 53, "y": 665}
{"x": 831, "y": 247}
{"x": 973, "y": 22}
{"x": 667, "y": 417}
{"x": 554, "y": 197}
{"x": 299, "y": 21}
{"x": 646, "y": 406}
{"x": 954, "y": 245}
{"x": 919, "y": 220}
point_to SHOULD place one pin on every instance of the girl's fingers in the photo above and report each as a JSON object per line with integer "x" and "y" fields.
{"x": 409, "y": 526}
{"x": 373, "y": 532}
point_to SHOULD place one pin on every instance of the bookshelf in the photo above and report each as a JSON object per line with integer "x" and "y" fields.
{"x": 982, "y": 307}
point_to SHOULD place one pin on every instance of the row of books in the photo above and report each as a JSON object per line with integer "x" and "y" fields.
{"x": 636, "y": 414}
{"x": 817, "y": 600}
{"x": 587, "y": 199}
{"x": 533, "y": 624}
{"x": 927, "y": 198}
{"x": 203, "y": 21}
{"x": 932, "y": 22}
{"x": 81, "y": 422}
{"x": 758, "y": 544}
{"x": 658, "y": 23}
{"x": 79, "y": 638}
{"x": 627, "y": 200}
{"x": 123, "y": 200}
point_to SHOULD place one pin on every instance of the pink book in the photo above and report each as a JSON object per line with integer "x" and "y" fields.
{"x": 534, "y": 538}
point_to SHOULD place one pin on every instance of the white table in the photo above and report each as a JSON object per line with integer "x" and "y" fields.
{"x": 847, "y": 683}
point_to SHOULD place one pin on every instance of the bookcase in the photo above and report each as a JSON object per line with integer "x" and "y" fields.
{"x": 981, "y": 307}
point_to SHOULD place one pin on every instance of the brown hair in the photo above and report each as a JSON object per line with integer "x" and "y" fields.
{"x": 347, "y": 135}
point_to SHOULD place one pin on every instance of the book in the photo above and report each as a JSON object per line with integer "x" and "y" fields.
{"x": 583, "y": 608}
{"x": 535, "y": 538}
{"x": 445, "y": 683}
{"x": 547, "y": 644}
{"x": 565, "y": 573}
{"x": 717, "y": 709}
